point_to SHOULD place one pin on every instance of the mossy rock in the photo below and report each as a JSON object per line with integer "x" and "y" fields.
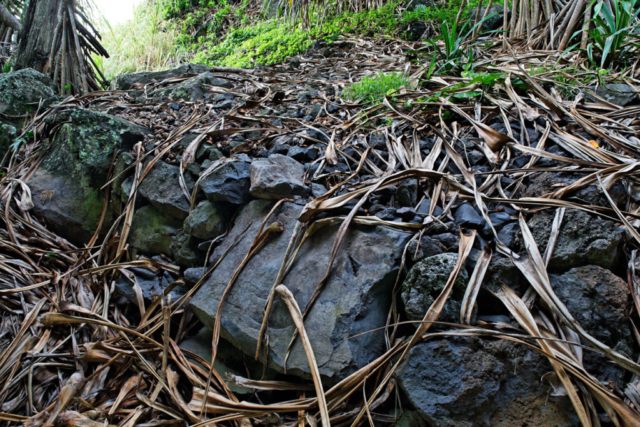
{"x": 66, "y": 188}
{"x": 21, "y": 92}
{"x": 152, "y": 231}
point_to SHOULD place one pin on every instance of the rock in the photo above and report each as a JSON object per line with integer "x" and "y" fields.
{"x": 315, "y": 111}
{"x": 410, "y": 419}
{"x": 428, "y": 247}
{"x": 466, "y": 382}
{"x": 185, "y": 250}
{"x": 499, "y": 220}
{"x": 277, "y": 177}
{"x": 303, "y": 154}
{"x": 161, "y": 188}
{"x": 415, "y": 30}
{"x": 548, "y": 182}
{"x": 598, "y": 299}
{"x": 318, "y": 190}
{"x": 494, "y": 20}
{"x": 193, "y": 89}
{"x": 407, "y": 193}
{"x": 425, "y": 207}
{"x": 193, "y": 275}
{"x": 406, "y": 214}
{"x": 616, "y": 93}
{"x": 8, "y": 135}
{"x": 152, "y": 285}
{"x": 127, "y": 81}
{"x": 229, "y": 184}
{"x": 426, "y": 280}
{"x": 152, "y": 231}
{"x": 467, "y": 217}
{"x": 355, "y": 299}
{"x": 418, "y": 4}
{"x": 21, "y": 92}
{"x": 66, "y": 187}
{"x": 583, "y": 239}
{"x": 509, "y": 235}
{"x": 206, "y": 221}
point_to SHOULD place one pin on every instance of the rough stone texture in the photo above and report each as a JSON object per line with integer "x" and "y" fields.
{"x": 355, "y": 299}
{"x": 277, "y": 177}
{"x": 152, "y": 231}
{"x": 151, "y": 285}
{"x": 21, "y": 92}
{"x": 425, "y": 281}
{"x": 583, "y": 239}
{"x": 470, "y": 382}
{"x": 407, "y": 193}
{"x": 428, "y": 247}
{"x": 8, "y": 135}
{"x": 193, "y": 89}
{"x": 228, "y": 184}
{"x": 66, "y": 187}
{"x": 615, "y": 93}
{"x": 592, "y": 195}
{"x": 206, "y": 221}
{"x": 126, "y": 81}
{"x": 467, "y": 217}
{"x": 161, "y": 187}
{"x": 185, "y": 250}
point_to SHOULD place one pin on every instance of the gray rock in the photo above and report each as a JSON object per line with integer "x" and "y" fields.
{"x": 547, "y": 182}
{"x": 303, "y": 154}
{"x": 66, "y": 187}
{"x": 161, "y": 187}
{"x": 318, "y": 190}
{"x": 417, "y": 4}
{"x": 494, "y": 20}
{"x": 193, "y": 89}
{"x": 583, "y": 239}
{"x": 193, "y": 275}
{"x": 509, "y": 235}
{"x": 8, "y": 135}
{"x": 428, "y": 247}
{"x": 152, "y": 232}
{"x": 315, "y": 111}
{"x": 355, "y": 299}
{"x": 277, "y": 177}
{"x": 127, "y": 81}
{"x": 206, "y": 221}
{"x": 616, "y": 93}
{"x": 151, "y": 284}
{"x": 185, "y": 251}
{"x": 407, "y": 193}
{"x": 426, "y": 280}
{"x": 21, "y": 92}
{"x": 469, "y": 382}
{"x": 414, "y": 31}
{"x": 228, "y": 184}
{"x": 467, "y": 217}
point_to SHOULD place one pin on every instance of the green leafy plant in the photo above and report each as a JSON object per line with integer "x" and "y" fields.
{"x": 374, "y": 88}
{"x": 613, "y": 39}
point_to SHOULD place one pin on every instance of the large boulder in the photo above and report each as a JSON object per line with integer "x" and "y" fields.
{"x": 355, "y": 299}
{"x": 161, "y": 187}
{"x": 466, "y": 382}
{"x": 127, "y": 81}
{"x": 66, "y": 187}
{"x": 21, "y": 93}
{"x": 583, "y": 239}
{"x": 425, "y": 282}
{"x": 277, "y": 177}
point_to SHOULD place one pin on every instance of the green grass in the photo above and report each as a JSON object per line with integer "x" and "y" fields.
{"x": 374, "y": 88}
{"x": 146, "y": 43}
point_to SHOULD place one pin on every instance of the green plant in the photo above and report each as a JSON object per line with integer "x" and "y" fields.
{"x": 374, "y": 88}
{"x": 614, "y": 36}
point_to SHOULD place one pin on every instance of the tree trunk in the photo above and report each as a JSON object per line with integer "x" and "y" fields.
{"x": 36, "y": 38}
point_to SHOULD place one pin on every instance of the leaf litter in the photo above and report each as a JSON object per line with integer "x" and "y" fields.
{"x": 70, "y": 355}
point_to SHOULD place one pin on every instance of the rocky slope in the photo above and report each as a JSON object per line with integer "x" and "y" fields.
{"x": 225, "y": 183}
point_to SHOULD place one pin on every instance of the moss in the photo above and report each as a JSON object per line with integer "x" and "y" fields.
{"x": 21, "y": 92}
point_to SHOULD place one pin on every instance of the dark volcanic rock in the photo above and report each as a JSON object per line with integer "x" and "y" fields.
{"x": 407, "y": 193}
{"x": 583, "y": 239}
{"x": 464, "y": 382}
{"x": 185, "y": 250}
{"x": 152, "y": 285}
{"x": 494, "y": 20}
{"x": 355, "y": 299}
{"x": 206, "y": 221}
{"x": 230, "y": 184}
{"x": 126, "y": 81}
{"x": 277, "y": 177}
{"x": 193, "y": 89}
{"x": 616, "y": 93}
{"x": 161, "y": 187}
{"x": 547, "y": 182}
{"x": 467, "y": 217}
{"x": 152, "y": 231}
{"x": 424, "y": 283}
{"x": 21, "y": 92}
{"x": 428, "y": 247}
{"x": 66, "y": 187}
